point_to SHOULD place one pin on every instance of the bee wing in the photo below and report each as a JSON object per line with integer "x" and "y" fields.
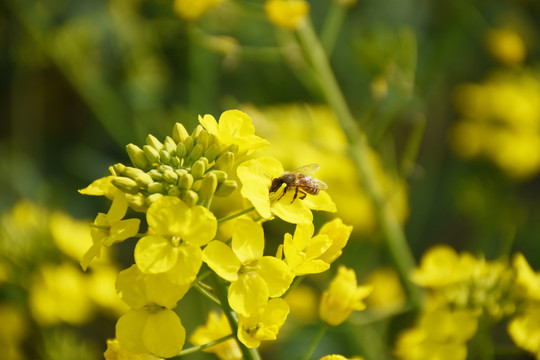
{"x": 307, "y": 169}
{"x": 322, "y": 186}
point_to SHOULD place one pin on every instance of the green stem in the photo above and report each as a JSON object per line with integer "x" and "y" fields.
{"x": 332, "y": 26}
{"x": 235, "y": 215}
{"x": 202, "y": 347}
{"x": 315, "y": 341}
{"x": 203, "y": 289}
{"x": 360, "y": 154}
{"x": 222, "y": 294}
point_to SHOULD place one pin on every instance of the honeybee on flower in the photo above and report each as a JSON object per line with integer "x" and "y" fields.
{"x": 301, "y": 179}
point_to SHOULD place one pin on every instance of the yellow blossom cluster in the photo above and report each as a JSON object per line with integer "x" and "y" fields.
{"x": 39, "y": 252}
{"x": 174, "y": 183}
{"x": 500, "y": 121}
{"x": 462, "y": 291}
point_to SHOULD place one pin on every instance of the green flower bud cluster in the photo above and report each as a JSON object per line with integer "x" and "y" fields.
{"x": 193, "y": 167}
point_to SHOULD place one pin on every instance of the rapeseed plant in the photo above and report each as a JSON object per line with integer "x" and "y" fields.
{"x": 174, "y": 183}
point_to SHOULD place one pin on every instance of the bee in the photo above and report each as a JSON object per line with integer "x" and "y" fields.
{"x": 301, "y": 180}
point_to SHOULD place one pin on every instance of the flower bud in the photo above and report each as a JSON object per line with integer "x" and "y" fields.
{"x": 164, "y": 156}
{"x": 202, "y": 139}
{"x": 143, "y": 179}
{"x": 170, "y": 177}
{"x": 198, "y": 169}
{"x": 174, "y": 191}
{"x": 153, "y": 197}
{"x": 179, "y": 133}
{"x": 136, "y": 155}
{"x": 126, "y": 184}
{"x": 118, "y": 169}
{"x": 151, "y": 154}
{"x": 190, "y": 197}
{"x": 208, "y": 186}
{"x": 220, "y": 175}
{"x": 169, "y": 145}
{"x": 137, "y": 202}
{"x": 153, "y": 142}
{"x": 188, "y": 143}
{"x": 226, "y": 188}
{"x": 185, "y": 181}
{"x": 156, "y": 187}
{"x": 175, "y": 162}
{"x": 164, "y": 168}
{"x": 132, "y": 172}
{"x": 195, "y": 153}
{"x": 225, "y": 161}
{"x": 181, "y": 150}
{"x": 156, "y": 175}
{"x": 211, "y": 152}
{"x": 195, "y": 133}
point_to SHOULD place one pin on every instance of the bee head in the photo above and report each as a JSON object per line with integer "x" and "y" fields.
{"x": 276, "y": 184}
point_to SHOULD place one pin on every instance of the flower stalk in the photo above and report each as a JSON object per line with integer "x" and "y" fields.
{"x": 359, "y": 152}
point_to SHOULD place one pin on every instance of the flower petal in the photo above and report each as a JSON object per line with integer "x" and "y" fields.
{"x": 276, "y": 274}
{"x": 220, "y": 258}
{"x": 169, "y": 215}
{"x": 118, "y": 207}
{"x": 155, "y": 254}
{"x": 296, "y": 212}
{"x": 247, "y": 240}
{"x": 203, "y": 226}
{"x": 248, "y": 294}
{"x": 163, "y": 333}
{"x": 255, "y": 186}
{"x": 129, "y": 330}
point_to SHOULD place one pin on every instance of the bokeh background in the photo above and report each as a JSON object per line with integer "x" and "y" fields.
{"x": 447, "y": 93}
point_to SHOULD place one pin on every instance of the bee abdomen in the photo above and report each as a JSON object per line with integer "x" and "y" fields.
{"x": 311, "y": 190}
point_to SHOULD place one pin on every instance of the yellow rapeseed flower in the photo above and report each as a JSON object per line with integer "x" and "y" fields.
{"x": 288, "y": 14}
{"x": 234, "y": 128}
{"x": 178, "y": 232}
{"x": 342, "y": 297}
{"x": 115, "y": 351}
{"x": 256, "y": 177}
{"x": 253, "y": 277}
{"x": 264, "y": 324}
{"x": 109, "y": 229}
{"x": 217, "y": 326}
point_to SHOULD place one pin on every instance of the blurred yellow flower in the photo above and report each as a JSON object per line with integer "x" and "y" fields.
{"x": 388, "y": 293}
{"x": 441, "y": 265}
{"x": 500, "y": 121}
{"x": 339, "y": 357}
{"x": 58, "y": 294}
{"x": 216, "y": 327}
{"x": 441, "y": 333}
{"x": 506, "y": 45}
{"x": 342, "y": 297}
{"x": 70, "y": 235}
{"x": 527, "y": 280}
{"x": 524, "y": 329}
{"x": 13, "y": 330}
{"x": 303, "y": 302}
{"x": 192, "y": 10}
{"x": 288, "y": 14}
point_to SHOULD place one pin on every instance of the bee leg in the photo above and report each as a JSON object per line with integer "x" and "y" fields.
{"x": 295, "y": 195}
{"x": 303, "y": 195}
